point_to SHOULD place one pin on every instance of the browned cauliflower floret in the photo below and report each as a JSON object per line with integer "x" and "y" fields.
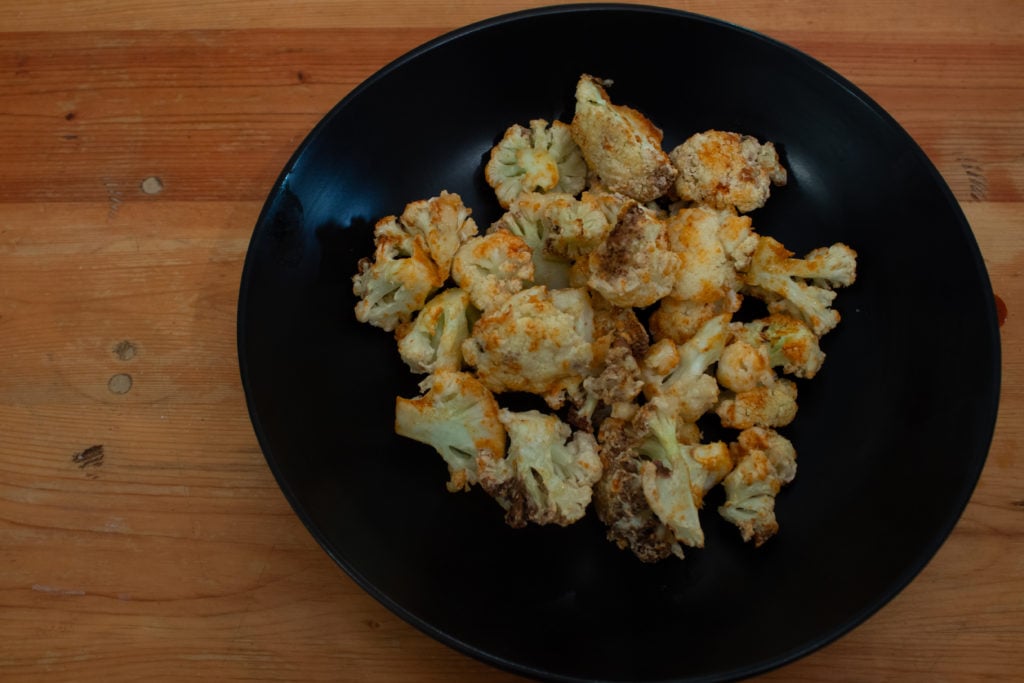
{"x": 619, "y": 498}
{"x": 458, "y": 417}
{"x": 535, "y": 159}
{"x": 620, "y": 144}
{"x": 492, "y": 268}
{"x": 791, "y": 345}
{"x": 765, "y": 462}
{"x": 620, "y": 344}
{"x": 801, "y": 288}
{"x": 679, "y": 319}
{"x": 766, "y": 405}
{"x": 756, "y": 396}
{"x": 635, "y": 266}
{"x": 433, "y": 341}
{"x": 538, "y": 341}
{"x": 444, "y": 222}
{"x": 527, "y": 218}
{"x": 549, "y": 474}
{"x": 714, "y": 246}
{"x": 575, "y": 226}
{"x": 723, "y": 170}
{"x": 397, "y": 281}
{"x": 744, "y": 366}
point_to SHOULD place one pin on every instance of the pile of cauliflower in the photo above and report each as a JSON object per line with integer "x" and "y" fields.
{"x": 609, "y": 289}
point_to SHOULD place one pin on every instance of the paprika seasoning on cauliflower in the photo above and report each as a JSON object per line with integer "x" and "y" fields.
{"x": 549, "y": 473}
{"x": 458, "y": 417}
{"x": 397, "y": 281}
{"x": 538, "y": 341}
{"x": 621, "y": 145}
{"x": 726, "y": 170}
{"x": 635, "y": 266}
{"x": 613, "y": 290}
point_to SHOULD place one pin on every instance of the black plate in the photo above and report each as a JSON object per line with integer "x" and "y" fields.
{"x": 891, "y": 435}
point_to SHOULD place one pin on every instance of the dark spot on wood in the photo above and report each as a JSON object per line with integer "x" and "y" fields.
{"x": 89, "y": 459}
{"x": 124, "y": 350}
{"x": 1000, "y": 310}
{"x": 373, "y": 624}
{"x": 301, "y": 76}
{"x": 976, "y": 180}
{"x": 70, "y": 137}
{"x": 70, "y": 116}
{"x": 120, "y": 383}
{"x": 1019, "y": 504}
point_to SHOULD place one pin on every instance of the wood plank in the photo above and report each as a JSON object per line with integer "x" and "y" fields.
{"x": 988, "y": 17}
{"x": 154, "y": 99}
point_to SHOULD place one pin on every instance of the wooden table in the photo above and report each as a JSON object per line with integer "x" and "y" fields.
{"x": 141, "y": 533}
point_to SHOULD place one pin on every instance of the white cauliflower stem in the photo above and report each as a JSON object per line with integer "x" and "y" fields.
{"x": 666, "y": 475}
{"x": 679, "y": 373}
{"x": 549, "y": 473}
{"x": 458, "y": 417}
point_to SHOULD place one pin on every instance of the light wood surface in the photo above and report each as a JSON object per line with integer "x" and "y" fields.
{"x": 142, "y": 536}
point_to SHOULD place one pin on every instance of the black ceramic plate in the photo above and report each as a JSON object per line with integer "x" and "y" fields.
{"x": 891, "y": 435}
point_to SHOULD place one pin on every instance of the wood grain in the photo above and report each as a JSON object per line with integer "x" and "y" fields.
{"x": 142, "y": 536}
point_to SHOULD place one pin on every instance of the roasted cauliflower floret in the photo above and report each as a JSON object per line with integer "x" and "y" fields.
{"x": 615, "y": 387}
{"x": 458, "y": 417}
{"x": 713, "y": 246}
{"x": 665, "y": 476}
{"x": 723, "y": 169}
{"x": 549, "y": 474}
{"x": 620, "y": 144}
{"x": 527, "y": 218}
{"x": 575, "y": 226}
{"x": 679, "y": 319}
{"x": 444, "y": 222}
{"x": 756, "y": 396}
{"x": 492, "y": 268}
{"x": 635, "y": 266}
{"x": 772, "y": 404}
{"x": 765, "y": 461}
{"x": 744, "y": 366}
{"x": 397, "y": 281}
{"x": 620, "y": 344}
{"x": 679, "y": 374}
{"x": 706, "y": 463}
{"x": 801, "y": 287}
{"x": 538, "y": 341}
{"x": 619, "y": 498}
{"x": 535, "y": 159}
{"x": 433, "y": 341}
{"x": 791, "y": 345}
